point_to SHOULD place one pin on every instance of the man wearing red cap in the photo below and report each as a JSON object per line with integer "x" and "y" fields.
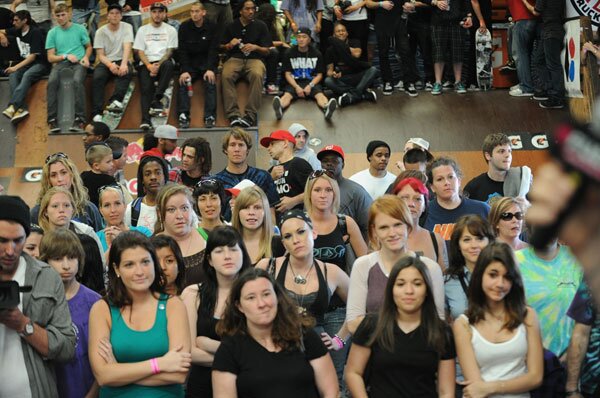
{"x": 291, "y": 173}
{"x": 354, "y": 200}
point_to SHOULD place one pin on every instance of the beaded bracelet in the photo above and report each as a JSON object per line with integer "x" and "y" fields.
{"x": 340, "y": 342}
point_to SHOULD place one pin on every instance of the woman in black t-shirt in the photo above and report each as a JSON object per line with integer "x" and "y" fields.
{"x": 409, "y": 349}
{"x": 268, "y": 348}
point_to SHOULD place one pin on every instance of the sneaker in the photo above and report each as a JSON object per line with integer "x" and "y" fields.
{"x": 428, "y": 86}
{"x": 235, "y": 121}
{"x": 78, "y": 125}
{"x": 399, "y": 86}
{"x": 145, "y": 126}
{"x": 516, "y": 86}
{"x": 115, "y": 106}
{"x": 184, "y": 121}
{"x": 473, "y": 87}
{"x": 460, "y": 88}
{"x": 272, "y": 89}
{"x": 247, "y": 121}
{"x": 209, "y": 122}
{"x": 447, "y": 86}
{"x": 53, "y": 126}
{"x": 330, "y": 108}
{"x": 277, "y": 107}
{"x": 540, "y": 96}
{"x": 370, "y": 95}
{"x": 552, "y": 104}
{"x": 19, "y": 115}
{"x": 388, "y": 89}
{"x": 97, "y": 118}
{"x": 519, "y": 93}
{"x": 436, "y": 89}
{"x": 344, "y": 100}
{"x": 9, "y": 112}
{"x": 419, "y": 85}
{"x": 508, "y": 67}
{"x": 156, "y": 110}
{"x": 411, "y": 90}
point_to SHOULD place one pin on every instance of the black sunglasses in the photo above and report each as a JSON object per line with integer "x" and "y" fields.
{"x": 320, "y": 173}
{"x": 507, "y": 216}
{"x": 54, "y": 156}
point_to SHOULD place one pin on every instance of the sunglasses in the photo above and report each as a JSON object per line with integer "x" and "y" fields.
{"x": 320, "y": 173}
{"x": 507, "y": 216}
{"x": 208, "y": 182}
{"x": 54, "y": 156}
{"x": 113, "y": 186}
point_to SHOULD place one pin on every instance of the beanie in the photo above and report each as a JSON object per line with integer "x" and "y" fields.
{"x": 13, "y": 208}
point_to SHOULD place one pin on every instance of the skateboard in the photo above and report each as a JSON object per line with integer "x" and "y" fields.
{"x": 66, "y": 100}
{"x": 112, "y": 119}
{"x": 483, "y": 52}
{"x": 161, "y": 119}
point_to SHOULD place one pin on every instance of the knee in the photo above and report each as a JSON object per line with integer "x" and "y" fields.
{"x": 329, "y": 81}
{"x": 256, "y": 74}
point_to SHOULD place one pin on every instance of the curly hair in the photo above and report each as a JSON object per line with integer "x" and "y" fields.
{"x": 78, "y": 190}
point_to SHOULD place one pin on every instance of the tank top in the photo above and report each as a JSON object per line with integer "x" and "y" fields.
{"x": 501, "y": 361}
{"x": 134, "y": 346}
{"x": 315, "y": 303}
{"x": 199, "y": 383}
{"x": 330, "y": 248}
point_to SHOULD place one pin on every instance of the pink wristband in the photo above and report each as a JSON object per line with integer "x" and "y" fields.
{"x": 338, "y": 341}
{"x": 154, "y": 365}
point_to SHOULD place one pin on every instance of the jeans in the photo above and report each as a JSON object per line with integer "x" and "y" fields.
{"x": 272, "y": 61}
{"x": 210, "y": 97}
{"x": 101, "y": 76}
{"x": 354, "y": 84}
{"x": 150, "y": 92}
{"x": 523, "y": 35}
{"x": 254, "y": 71}
{"x": 359, "y": 30}
{"x": 333, "y": 323}
{"x": 135, "y": 21}
{"x": 79, "y": 73}
{"x": 324, "y": 35}
{"x": 220, "y": 14}
{"x": 21, "y": 80}
{"x": 555, "y": 72}
{"x": 420, "y": 35}
{"x": 400, "y": 38}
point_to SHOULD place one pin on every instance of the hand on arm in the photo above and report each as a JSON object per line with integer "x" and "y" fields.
{"x": 191, "y": 301}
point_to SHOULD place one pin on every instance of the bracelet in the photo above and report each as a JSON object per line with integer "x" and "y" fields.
{"x": 340, "y": 342}
{"x": 154, "y": 365}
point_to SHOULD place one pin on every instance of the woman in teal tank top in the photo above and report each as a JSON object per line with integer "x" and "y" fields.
{"x": 139, "y": 336}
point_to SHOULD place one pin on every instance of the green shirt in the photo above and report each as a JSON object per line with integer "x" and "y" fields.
{"x": 68, "y": 41}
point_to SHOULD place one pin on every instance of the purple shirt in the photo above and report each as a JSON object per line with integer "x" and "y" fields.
{"x": 75, "y": 378}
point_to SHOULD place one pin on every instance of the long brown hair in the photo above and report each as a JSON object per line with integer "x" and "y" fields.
{"x": 431, "y": 324}
{"x": 288, "y": 325}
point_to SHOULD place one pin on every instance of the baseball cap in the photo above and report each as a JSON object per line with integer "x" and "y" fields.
{"x": 303, "y": 30}
{"x": 114, "y": 6}
{"x": 278, "y": 135}
{"x": 166, "y": 131}
{"x": 420, "y": 142}
{"x": 235, "y": 191}
{"x": 158, "y": 5}
{"x": 295, "y": 128}
{"x": 331, "y": 149}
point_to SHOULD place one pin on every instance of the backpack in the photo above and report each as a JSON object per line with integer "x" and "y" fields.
{"x": 136, "y": 207}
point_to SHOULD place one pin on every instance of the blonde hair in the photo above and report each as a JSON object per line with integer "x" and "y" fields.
{"x": 247, "y": 197}
{"x": 78, "y": 190}
{"x": 166, "y": 193}
{"x": 335, "y": 206}
{"x": 44, "y": 221}
{"x": 96, "y": 153}
{"x": 501, "y": 205}
{"x": 61, "y": 7}
{"x": 392, "y": 206}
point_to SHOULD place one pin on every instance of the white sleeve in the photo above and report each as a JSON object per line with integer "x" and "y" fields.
{"x": 356, "y": 305}
{"x": 138, "y": 43}
{"x": 437, "y": 282}
{"x": 173, "y": 39}
{"x": 127, "y": 219}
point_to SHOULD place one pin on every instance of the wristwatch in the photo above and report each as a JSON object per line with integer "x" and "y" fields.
{"x": 28, "y": 330}
{"x": 311, "y": 85}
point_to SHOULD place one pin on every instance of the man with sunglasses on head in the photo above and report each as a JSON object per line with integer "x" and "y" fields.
{"x": 290, "y": 174}
{"x": 500, "y": 179}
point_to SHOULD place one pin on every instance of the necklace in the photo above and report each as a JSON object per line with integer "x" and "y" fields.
{"x": 298, "y": 278}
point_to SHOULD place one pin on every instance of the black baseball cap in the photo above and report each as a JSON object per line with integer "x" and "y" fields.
{"x": 114, "y": 6}
{"x": 158, "y": 5}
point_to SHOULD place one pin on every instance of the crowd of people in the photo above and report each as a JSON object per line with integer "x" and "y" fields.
{"x": 293, "y": 280}
{"x": 319, "y": 53}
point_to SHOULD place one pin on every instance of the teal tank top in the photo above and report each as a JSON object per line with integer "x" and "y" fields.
{"x": 134, "y": 346}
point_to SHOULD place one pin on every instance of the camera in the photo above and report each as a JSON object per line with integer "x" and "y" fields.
{"x": 344, "y": 4}
{"x": 10, "y": 294}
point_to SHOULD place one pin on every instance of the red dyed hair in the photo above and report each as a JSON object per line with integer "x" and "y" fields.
{"x": 415, "y": 184}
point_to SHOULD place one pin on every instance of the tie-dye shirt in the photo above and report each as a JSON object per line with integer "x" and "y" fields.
{"x": 549, "y": 288}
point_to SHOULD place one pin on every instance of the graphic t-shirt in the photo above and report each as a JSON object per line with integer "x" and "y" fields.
{"x": 483, "y": 188}
{"x": 293, "y": 180}
{"x": 154, "y": 41}
{"x": 549, "y": 288}
{"x": 303, "y": 66}
{"x": 31, "y": 42}
{"x": 442, "y": 220}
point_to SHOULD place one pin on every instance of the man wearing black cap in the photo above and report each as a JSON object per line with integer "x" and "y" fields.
{"x": 113, "y": 43}
{"x": 376, "y": 178}
{"x": 38, "y": 330}
{"x": 154, "y": 44}
{"x": 354, "y": 200}
{"x": 303, "y": 65}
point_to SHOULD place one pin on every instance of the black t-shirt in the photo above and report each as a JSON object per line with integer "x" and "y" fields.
{"x": 32, "y": 42}
{"x": 303, "y": 66}
{"x": 409, "y": 371}
{"x": 293, "y": 180}
{"x": 264, "y": 374}
{"x": 190, "y": 181}
{"x": 332, "y": 57}
{"x": 93, "y": 182}
{"x": 483, "y": 188}
{"x": 256, "y": 32}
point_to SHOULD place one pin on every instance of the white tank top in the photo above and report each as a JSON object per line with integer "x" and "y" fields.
{"x": 501, "y": 361}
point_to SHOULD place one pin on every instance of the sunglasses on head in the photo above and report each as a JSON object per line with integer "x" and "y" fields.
{"x": 507, "y": 216}
{"x": 113, "y": 186}
{"x": 320, "y": 173}
{"x": 207, "y": 183}
{"x": 54, "y": 156}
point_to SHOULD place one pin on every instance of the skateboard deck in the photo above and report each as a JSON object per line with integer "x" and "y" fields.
{"x": 167, "y": 100}
{"x": 483, "y": 53}
{"x": 112, "y": 119}
{"x": 66, "y": 100}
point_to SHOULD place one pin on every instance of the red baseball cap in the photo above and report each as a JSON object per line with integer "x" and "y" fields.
{"x": 331, "y": 149}
{"x": 235, "y": 191}
{"x": 279, "y": 135}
